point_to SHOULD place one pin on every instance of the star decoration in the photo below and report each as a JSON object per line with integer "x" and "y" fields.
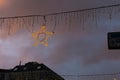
{"x": 42, "y": 36}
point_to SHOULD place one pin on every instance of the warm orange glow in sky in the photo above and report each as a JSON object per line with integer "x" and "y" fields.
{"x": 3, "y": 3}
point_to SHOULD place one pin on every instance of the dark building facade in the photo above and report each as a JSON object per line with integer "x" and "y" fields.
{"x": 29, "y": 71}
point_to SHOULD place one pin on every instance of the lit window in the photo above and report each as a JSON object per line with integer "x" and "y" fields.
{"x": 38, "y": 67}
{"x": 15, "y": 69}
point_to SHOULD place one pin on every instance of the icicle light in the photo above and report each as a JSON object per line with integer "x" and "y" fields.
{"x": 67, "y": 19}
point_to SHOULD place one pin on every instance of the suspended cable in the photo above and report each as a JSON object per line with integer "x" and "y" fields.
{"x": 95, "y": 74}
{"x": 67, "y": 18}
{"x": 64, "y": 12}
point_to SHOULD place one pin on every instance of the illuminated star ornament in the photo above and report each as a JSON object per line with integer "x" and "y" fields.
{"x": 41, "y": 36}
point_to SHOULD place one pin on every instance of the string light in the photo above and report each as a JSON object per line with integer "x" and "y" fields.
{"x": 81, "y": 17}
{"x": 68, "y": 18}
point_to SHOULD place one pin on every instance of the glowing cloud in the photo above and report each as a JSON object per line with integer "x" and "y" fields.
{"x": 3, "y": 3}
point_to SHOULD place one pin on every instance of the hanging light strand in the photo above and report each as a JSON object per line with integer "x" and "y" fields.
{"x": 58, "y": 16}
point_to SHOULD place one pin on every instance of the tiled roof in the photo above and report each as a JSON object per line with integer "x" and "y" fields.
{"x": 31, "y": 66}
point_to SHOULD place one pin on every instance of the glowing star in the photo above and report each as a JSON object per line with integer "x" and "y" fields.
{"x": 42, "y": 36}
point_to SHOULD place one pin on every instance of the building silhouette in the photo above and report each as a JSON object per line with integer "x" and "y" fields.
{"x": 29, "y": 71}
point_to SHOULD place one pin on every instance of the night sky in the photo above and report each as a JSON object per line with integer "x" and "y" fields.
{"x": 72, "y": 52}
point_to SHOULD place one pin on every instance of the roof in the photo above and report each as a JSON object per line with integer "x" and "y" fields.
{"x": 34, "y": 66}
{"x": 30, "y": 66}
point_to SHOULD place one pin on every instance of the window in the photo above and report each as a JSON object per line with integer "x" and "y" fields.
{"x": 38, "y": 67}
{"x": 24, "y": 68}
{"x": 15, "y": 69}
